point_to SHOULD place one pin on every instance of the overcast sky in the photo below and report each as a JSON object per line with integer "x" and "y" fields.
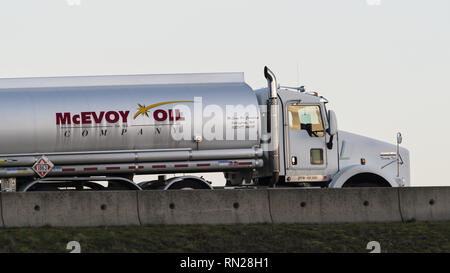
{"x": 383, "y": 64}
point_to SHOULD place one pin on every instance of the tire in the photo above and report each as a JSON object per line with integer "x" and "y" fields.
{"x": 362, "y": 185}
{"x": 191, "y": 184}
{"x": 366, "y": 180}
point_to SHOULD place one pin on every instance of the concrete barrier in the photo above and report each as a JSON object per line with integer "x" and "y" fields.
{"x": 334, "y": 205}
{"x": 204, "y": 207}
{"x": 36, "y": 209}
{"x": 425, "y": 203}
{"x": 122, "y": 208}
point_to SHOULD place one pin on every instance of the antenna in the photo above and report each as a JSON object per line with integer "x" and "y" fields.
{"x": 298, "y": 88}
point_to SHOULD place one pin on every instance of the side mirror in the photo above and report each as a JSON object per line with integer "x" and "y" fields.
{"x": 332, "y": 123}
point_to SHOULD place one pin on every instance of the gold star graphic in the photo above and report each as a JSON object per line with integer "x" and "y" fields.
{"x": 143, "y": 110}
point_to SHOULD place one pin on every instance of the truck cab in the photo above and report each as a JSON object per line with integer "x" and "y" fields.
{"x": 314, "y": 153}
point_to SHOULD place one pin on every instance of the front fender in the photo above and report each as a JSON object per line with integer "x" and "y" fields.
{"x": 343, "y": 175}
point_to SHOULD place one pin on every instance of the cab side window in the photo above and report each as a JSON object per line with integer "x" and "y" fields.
{"x": 306, "y": 117}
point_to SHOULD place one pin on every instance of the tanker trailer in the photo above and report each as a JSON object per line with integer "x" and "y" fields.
{"x": 72, "y": 132}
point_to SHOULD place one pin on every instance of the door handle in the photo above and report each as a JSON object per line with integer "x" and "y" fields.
{"x": 293, "y": 160}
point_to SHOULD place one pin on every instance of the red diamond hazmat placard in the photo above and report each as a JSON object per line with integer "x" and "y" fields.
{"x": 43, "y": 166}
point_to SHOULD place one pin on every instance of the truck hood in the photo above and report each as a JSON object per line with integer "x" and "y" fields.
{"x": 378, "y": 155}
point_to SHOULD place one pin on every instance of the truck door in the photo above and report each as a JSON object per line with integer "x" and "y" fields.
{"x": 306, "y": 143}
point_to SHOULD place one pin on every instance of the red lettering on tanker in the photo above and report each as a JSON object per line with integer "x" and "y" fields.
{"x": 66, "y": 121}
{"x": 68, "y": 118}
{"x": 159, "y": 115}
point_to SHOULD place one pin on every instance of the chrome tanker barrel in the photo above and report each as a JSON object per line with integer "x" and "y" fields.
{"x": 137, "y": 123}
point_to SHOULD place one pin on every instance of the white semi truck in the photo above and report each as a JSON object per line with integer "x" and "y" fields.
{"x": 96, "y": 133}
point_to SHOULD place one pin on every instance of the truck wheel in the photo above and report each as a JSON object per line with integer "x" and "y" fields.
{"x": 362, "y": 185}
{"x": 365, "y": 180}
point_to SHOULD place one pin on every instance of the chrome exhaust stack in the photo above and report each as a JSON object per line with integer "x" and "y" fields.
{"x": 272, "y": 83}
{"x": 273, "y": 108}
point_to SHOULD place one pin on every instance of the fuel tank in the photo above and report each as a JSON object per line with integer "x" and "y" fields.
{"x": 202, "y": 112}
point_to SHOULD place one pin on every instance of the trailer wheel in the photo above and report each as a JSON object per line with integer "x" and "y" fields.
{"x": 76, "y": 185}
{"x": 188, "y": 184}
{"x": 42, "y": 187}
{"x": 151, "y": 185}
